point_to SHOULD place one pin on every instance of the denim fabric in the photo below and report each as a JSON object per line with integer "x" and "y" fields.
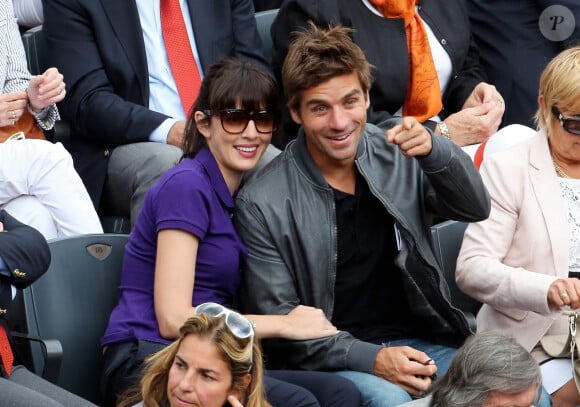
{"x": 377, "y": 392}
{"x": 545, "y": 399}
{"x": 442, "y": 355}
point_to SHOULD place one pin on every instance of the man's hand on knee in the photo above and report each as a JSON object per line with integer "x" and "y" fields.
{"x": 406, "y": 367}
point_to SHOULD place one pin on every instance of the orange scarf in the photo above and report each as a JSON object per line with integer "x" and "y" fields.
{"x": 423, "y": 93}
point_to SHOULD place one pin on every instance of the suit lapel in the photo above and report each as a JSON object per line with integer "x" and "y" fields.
{"x": 124, "y": 19}
{"x": 547, "y": 190}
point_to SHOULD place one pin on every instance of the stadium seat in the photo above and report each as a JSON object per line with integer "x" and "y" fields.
{"x": 264, "y": 20}
{"x": 447, "y": 238}
{"x": 71, "y": 303}
{"x": 35, "y": 48}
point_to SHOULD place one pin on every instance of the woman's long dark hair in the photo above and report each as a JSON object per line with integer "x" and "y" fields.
{"x": 229, "y": 84}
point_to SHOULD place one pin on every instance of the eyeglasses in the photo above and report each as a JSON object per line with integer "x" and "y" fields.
{"x": 236, "y": 323}
{"x": 570, "y": 125}
{"x": 235, "y": 121}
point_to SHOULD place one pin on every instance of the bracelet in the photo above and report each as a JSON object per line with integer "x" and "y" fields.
{"x": 444, "y": 130}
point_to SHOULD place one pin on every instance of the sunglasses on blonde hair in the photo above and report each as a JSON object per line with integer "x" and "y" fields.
{"x": 238, "y": 325}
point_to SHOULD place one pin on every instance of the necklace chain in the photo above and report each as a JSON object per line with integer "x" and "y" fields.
{"x": 559, "y": 170}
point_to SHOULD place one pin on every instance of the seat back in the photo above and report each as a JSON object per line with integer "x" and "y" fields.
{"x": 447, "y": 238}
{"x": 35, "y": 48}
{"x": 72, "y": 301}
{"x": 264, "y": 20}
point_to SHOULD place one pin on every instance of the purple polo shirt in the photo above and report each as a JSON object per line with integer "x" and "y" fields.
{"x": 193, "y": 197}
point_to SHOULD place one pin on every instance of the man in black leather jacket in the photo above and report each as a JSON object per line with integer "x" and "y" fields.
{"x": 340, "y": 221}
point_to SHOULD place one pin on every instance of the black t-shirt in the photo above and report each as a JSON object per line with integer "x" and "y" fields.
{"x": 370, "y": 302}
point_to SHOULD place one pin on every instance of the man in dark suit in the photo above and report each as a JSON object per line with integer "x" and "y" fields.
{"x": 126, "y": 115}
{"x": 516, "y": 40}
{"x": 24, "y": 257}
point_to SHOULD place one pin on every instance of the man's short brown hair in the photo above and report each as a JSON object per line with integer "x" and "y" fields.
{"x": 318, "y": 55}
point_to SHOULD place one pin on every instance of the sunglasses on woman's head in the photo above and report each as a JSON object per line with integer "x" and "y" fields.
{"x": 571, "y": 125}
{"x": 235, "y": 121}
{"x": 236, "y": 323}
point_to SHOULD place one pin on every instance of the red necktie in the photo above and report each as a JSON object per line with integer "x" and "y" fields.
{"x": 6, "y": 351}
{"x": 179, "y": 52}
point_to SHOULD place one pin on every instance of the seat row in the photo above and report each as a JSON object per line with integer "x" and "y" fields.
{"x": 66, "y": 311}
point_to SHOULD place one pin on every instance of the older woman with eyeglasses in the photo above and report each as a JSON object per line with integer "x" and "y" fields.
{"x": 215, "y": 360}
{"x": 523, "y": 263}
{"x": 184, "y": 250}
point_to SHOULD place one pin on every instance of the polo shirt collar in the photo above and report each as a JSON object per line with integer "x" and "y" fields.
{"x": 215, "y": 176}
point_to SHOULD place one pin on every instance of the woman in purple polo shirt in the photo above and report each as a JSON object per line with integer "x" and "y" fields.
{"x": 184, "y": 250}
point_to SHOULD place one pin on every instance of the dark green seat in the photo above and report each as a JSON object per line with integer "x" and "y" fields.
{"x": 71, "y": 303}
{"x": 35, "y": 49}
{"x": 264, "y": 20}
{"x": 447, "y": 238}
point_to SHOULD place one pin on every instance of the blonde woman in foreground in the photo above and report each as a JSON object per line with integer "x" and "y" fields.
{"x": 214, "y": 362}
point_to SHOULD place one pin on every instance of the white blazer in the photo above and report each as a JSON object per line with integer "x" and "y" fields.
{"x": 509, "y": 261}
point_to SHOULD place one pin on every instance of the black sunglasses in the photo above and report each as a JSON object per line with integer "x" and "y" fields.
{"x": 570, "y": 125}
{"x": 235, "y": 121}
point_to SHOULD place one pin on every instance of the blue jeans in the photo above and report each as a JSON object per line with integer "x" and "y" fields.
{"x": 545, "y": 399}
{"x": 378, "y": 392}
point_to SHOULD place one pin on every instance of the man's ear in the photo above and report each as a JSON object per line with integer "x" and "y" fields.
{"x": 202, "y": 123}
{"x": 295, "y": 116}
{"x": 367, "y": 99}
